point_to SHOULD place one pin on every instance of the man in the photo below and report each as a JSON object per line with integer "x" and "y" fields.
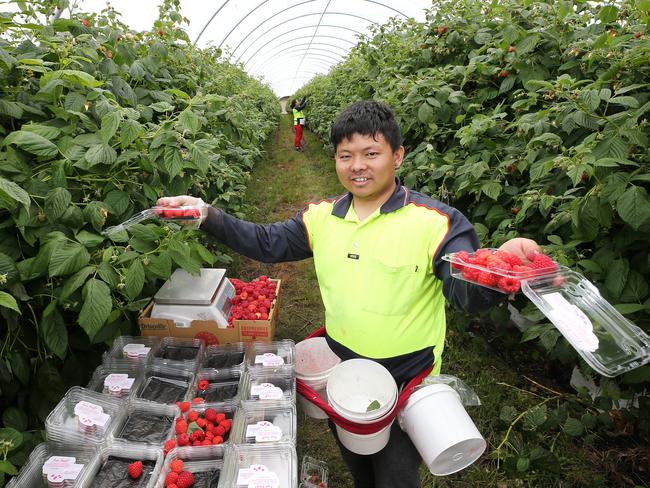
{"x": 298, "y": 121}
{"x": 378, "y": 253}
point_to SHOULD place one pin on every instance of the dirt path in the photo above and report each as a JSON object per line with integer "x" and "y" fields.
{"x": 281, "y": 184}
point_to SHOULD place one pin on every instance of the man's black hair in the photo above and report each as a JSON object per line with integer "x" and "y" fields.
{"x": 368, "y": 118}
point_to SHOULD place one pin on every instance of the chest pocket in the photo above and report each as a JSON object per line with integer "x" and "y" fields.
{"x": 388, "y": 289}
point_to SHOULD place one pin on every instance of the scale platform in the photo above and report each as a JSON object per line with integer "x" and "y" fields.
{"x": 186, "y": 297}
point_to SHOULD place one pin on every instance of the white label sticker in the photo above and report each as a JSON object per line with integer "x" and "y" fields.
{"x": 57, "y": 462}
{"x": 61, "y": 473}
{"x": 134, "y": 350}
{"x": 264, "y": 431}
{"x": 571, "y": 322}
{"x": 118, "y": 382}
{"x": 90, "y": 414}
{"x": 267, "y": 391}
{"x": 269, "y": 359}
{"x": 245, "y": 474}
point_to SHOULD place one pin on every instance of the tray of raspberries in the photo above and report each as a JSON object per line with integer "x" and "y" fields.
{"x": 499, "y": 270}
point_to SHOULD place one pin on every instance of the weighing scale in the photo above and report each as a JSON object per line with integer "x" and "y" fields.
{"x": 186, "y": 297}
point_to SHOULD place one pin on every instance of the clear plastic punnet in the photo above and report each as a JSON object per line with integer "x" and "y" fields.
{"x": 187, "y": 216}
{"x": 147, "y": 422}
{"x": 130, "y": 350}
{"x": 223, "y": 357}
{"x": 116, "y": 381}
{"x": 313, "y": 473}
{"x": 220, "y": 415}
{"x": 49, "y": 466}
{"x": 497, "y": 269}
{"x": 83, "y": 417}
{"x": 272, "y": 356}
{"x": 269, "y": 388}
{"x": 179, "y": 353}
{"x": 261, "y": 424}
{"x": 204, "y": 463}
{"x": 164, "y": 384}
{"x": 220, "y": 386}
{"x": 606, "y": 340}
{"x": 109, "y": 467}
{"x": 252, "y": 466}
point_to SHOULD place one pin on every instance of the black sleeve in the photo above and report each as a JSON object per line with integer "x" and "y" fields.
{"x": 303, "y": 103}
{"x": 273, "y": 243}
{"x": 462, "y": 294}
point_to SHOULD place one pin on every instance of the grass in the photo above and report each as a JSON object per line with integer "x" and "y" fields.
{"x": 282, "y": 183}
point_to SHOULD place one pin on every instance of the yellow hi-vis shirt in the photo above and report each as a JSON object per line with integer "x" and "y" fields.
{"x": 376, "y": 279}
{"x": 297, "y": 115}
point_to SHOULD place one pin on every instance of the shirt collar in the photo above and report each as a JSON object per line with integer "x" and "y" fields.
{"x": 396, "y": 201}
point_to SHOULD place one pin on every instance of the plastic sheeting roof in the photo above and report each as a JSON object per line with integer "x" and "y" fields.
{"x": 283, "y": 42}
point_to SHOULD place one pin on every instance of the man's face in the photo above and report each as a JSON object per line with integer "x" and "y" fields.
{"x": 366, "y": 166}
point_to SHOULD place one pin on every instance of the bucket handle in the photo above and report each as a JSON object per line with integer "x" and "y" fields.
{"x": 364, "y": 429}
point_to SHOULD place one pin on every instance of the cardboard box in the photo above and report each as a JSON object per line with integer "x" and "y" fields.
{"x": 243, "y": 330}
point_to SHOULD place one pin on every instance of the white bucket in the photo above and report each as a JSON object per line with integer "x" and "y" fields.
{"x": 314, "y": 363}
{"x": 441, "y": 429}
{"x": 353, "y": 385}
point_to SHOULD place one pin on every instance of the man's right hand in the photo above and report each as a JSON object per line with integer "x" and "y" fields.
{"x": 185, "y": 200}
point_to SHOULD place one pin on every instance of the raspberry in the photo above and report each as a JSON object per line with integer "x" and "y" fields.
{"x": 185, "y": 480}
{"x": 171, "y": 478}
{"x": 470, "y": 274}
{"x": 226, "y": 424}
{"x": 192, "y": 415}
{"x": 183, "y": 440}
{"x": 203, "y": 385}
{"x": 169, "y": 445}
{"x": 221, "y": 417}
{"x": 135, "y": 469}
{"x": 217, "y": 440}
{"x": 511, "y": 259}
{"x": 201, "y": 422}
{"x": 542, "y": 261}
{"x": 210, "y": 414}
{"x": 173, "y": 485}
{"x": 176, "y": 466}
{"x": 181, "y": 427}
{"x": 184, "y": 406}
{"x": 521, "y": 269}
{"x": 208, "y": 338}
{"x": 198, "y": 400}
{"x": 462, "y": 256}
{"x": 509, "y": 285}
{"x": 220, "y": 430}
{"x": 486, "y": 278}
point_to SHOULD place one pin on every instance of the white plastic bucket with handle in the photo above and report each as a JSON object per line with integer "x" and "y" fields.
{"x": 353, "y": 386}
{"x": 441, "y": 430}
{"x": 314, "y": 363}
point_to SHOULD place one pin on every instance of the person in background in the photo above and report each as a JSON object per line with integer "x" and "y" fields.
{"x": 377, "y": 251}
{"x": 298, "y": 121}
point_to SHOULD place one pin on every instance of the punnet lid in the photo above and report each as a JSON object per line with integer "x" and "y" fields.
{"x": 183, "y": 288}
{"x": 606, "y": 340}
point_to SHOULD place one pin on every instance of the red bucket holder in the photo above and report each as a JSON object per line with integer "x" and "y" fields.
{"x": 310, "y": 395}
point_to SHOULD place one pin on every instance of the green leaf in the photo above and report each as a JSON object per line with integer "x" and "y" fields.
{"x": 573, "y": 427}
{"x": 11, "y": 193}
{"x": 101, "y": 154}
{"x": 32, "y": 143}
{"x": 608, "y": 14}
{"x": 134, "y": 280}
{"x": 89, "y": 239}
{"x": 79, "y": 78}
{"x": 8, "y": 301}
{"x": 507, "y": 414}
{"x": 492, "y": 189}
{"x": 75, "y": 281}
{"x": 110, "y": 124}
{"x": 160, "y": 265}
{"x": 536, "y": 417}
{"x": 95, "y": 213}
{"x": 11, "y": 438}
{"x": 68, "y": 258}
{"x": 142, "y": 232}
{"x": 189, "y": 120}
{"x": 627, "y": 308}
{"x": 54, "y": 331}
{"x": 162, "y": 106}
{"x": 50, "y": 133}
{"x": 56, "y": 203}
{"x": 108, "y": 274}
{"x": 374, "y": 405}
{"x": 625, "y": 101}
{"x": 20, "y": 367}
{"x": 118, "y": 201}
{"x": 425, "y": 113}
{"x": 96, "y": 307}
{"x": 523, "y": 464}
{"x": 15, "y": 418}
{"x": 180, "y": 253}
{"x": 633, "y": 206}
{"x": 131, "y": 130}
{"x": 617, "y": 274}
{"x": 8, "y": 468}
